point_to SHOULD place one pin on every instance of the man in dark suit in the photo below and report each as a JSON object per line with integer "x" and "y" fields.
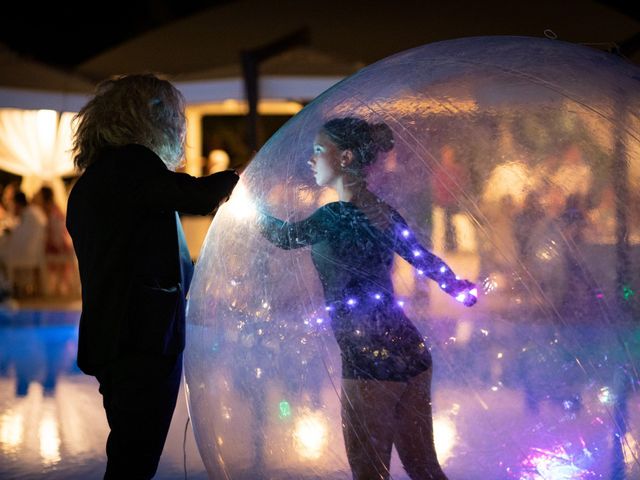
{"x": 135, "y": 267}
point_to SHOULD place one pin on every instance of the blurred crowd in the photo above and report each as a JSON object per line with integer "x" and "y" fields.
{"x": 36, "y": 252}
{"x": 545, "y": 232}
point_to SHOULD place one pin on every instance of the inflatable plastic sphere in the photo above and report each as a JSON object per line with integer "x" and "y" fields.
{"x": 516, "y": 161}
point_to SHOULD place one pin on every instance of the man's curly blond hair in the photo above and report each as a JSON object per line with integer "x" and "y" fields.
{"x": 137, "y": 108}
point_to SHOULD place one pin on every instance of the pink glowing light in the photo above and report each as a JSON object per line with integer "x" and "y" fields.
{"x": 554, "y": 464}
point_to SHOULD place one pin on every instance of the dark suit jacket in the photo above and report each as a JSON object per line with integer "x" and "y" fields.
{"x": 122, "y": 219}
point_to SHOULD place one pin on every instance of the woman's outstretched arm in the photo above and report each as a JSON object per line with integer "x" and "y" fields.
{"x": 405, "y": 243}
{"x": 290, "y": 235}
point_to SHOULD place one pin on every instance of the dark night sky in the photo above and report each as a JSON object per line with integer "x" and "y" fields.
{"x": 66, "y": 34}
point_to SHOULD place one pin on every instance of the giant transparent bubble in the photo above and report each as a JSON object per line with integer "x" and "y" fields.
{"x": 517, "y": 161}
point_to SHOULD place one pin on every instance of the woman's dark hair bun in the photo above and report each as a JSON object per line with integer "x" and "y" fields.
{"x": 365, "y": 139}
{"x": 382, "y": 136}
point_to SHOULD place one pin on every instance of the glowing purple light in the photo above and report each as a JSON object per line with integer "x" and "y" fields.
{"x": 377, "y": 296}
{"x": 328, "y": 308}
{"x": 443, "y": 285}
{"x": 420, "y": 272}
{"x": 416, "y": 253}
{"x": 351, "y": 301}
{"x": 319, "y": 321}
{"x": 401, "y": 303}
{"x": 443, "y": 269}
{"x": 461, "y": 297}
{"x": 405, "y": 233}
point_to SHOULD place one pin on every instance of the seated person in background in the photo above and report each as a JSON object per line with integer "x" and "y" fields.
{"x": 7, "y": 205}
{"x": 58, "y": 247}
{"x": 23, "y": 245}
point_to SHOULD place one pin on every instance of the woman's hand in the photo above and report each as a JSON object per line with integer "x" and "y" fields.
{"x": 465, "y": 292}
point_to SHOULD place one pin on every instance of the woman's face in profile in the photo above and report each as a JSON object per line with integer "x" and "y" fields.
{"x": 325, "y": 161}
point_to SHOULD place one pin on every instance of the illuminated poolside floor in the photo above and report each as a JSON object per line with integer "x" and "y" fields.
{"x": 52, "y": 424}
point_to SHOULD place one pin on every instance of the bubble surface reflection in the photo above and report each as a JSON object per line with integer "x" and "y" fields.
{"x": 516, "y": 161}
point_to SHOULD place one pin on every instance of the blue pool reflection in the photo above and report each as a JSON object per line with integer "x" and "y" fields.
{"x": 38, "y": 347}
{"x": 52, "y": 424}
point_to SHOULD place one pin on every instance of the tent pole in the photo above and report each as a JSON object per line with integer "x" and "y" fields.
{"x": 251, "y": 60}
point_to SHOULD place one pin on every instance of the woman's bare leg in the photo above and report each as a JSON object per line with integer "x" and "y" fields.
{"x": 414, "y": 433}
{"x": 368, "y": 425}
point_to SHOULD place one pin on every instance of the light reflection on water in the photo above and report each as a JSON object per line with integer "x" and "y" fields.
{"x": 52, "y": 423}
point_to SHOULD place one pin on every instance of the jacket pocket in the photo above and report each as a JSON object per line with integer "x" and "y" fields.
{"x": 155, "y": 318}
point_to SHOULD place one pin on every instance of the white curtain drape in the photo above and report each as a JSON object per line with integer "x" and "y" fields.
{"x": 36, "y": 144}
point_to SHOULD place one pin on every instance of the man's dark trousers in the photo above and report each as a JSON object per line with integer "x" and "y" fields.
{"x": 139, "y": 396}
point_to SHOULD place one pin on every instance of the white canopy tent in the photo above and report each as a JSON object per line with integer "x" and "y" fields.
{"x": 36, "y": 144}
{"x": 201, "y": 54}
{"x": 36, "y": 108}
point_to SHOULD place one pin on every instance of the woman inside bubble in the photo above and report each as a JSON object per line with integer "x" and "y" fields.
{"x": 386, "y": 366}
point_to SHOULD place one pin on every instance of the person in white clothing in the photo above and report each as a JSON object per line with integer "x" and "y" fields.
{"x": 22, "y": 247}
